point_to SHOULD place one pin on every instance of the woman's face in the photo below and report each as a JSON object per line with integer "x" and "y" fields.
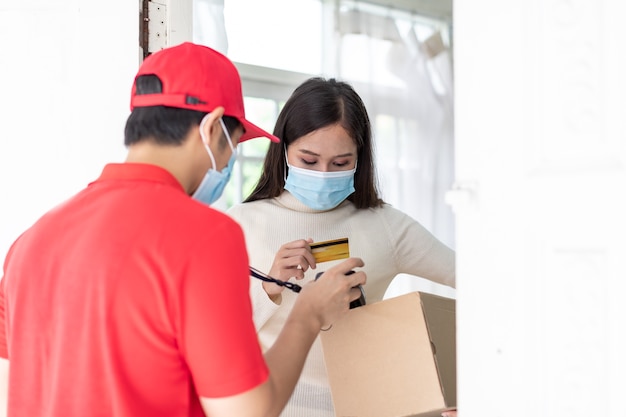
{"x": 327, "y": 149}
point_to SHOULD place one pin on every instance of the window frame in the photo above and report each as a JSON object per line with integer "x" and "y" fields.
{"x": 265, "y": 83}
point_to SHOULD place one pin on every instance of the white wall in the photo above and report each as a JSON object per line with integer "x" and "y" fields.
{"x": 66, "y": 69}
{"x": 541, "y": 166}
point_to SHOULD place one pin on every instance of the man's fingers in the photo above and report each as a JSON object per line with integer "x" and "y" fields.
{"x": 349, "y": 264}
{"x": 355, "y": 293}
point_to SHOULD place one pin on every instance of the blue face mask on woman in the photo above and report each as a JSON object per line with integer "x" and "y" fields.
{"x": 320, "y": 190}
{"x": 214, "y": 181}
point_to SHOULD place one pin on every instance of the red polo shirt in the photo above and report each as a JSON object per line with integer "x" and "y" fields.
{"x": 129, "y": 299}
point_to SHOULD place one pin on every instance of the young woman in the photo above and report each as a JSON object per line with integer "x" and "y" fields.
{"x": 319, "y": 184}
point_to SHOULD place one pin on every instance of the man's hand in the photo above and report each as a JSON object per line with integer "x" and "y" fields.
{"x": 329, "y": 297}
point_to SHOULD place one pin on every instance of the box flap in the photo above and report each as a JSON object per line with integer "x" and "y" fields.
{"x": 380, "y": 361}
{"x": 440, "y": 314}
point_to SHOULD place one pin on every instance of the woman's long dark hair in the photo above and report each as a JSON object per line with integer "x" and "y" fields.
{"x": 315, "y": 104}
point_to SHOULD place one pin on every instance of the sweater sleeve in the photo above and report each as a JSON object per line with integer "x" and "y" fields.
{"x": 417, "y": 251}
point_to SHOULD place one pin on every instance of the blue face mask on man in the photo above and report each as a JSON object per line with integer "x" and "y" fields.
{"x": 320, "y": 190}
{"x": 214, "y": 181}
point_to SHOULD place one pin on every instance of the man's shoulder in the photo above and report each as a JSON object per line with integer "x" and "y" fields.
{"x": 198, "y": 211}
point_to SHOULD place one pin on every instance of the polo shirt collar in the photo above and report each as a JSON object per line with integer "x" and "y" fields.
{"x": 138, "y": 172}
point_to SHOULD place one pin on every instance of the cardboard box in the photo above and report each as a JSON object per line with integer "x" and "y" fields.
{"x": 394, "y": 358}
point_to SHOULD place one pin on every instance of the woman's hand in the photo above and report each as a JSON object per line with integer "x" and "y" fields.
{"x": 292, "y": 260}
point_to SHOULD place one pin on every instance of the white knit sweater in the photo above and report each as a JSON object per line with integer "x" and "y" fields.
{"x": 389, "y": 242}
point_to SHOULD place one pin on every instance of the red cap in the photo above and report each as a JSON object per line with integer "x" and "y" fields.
{"x": 196, "y": 77}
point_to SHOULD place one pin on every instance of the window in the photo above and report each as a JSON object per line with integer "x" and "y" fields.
{"x": 273, "y": 34}
{"x": 387, "y": 54}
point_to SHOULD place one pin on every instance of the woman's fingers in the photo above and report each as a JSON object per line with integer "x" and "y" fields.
{"x": 292, "y": 260}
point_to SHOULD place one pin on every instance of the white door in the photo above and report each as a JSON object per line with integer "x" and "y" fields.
{"x": 540, "y": 206}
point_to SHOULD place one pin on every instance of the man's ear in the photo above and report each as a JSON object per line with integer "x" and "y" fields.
{"x": 210, "y": 127}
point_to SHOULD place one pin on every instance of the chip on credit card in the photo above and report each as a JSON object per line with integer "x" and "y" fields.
{"x": 330, "y": 250}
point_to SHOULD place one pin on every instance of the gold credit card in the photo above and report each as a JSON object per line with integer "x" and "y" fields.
{"x": 330, "y": 250}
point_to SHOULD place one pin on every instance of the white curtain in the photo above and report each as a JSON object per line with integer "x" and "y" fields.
{"x": 403, "y": 70}
{"x": 427, "y": 73}
{"x": 407, "y": 86}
